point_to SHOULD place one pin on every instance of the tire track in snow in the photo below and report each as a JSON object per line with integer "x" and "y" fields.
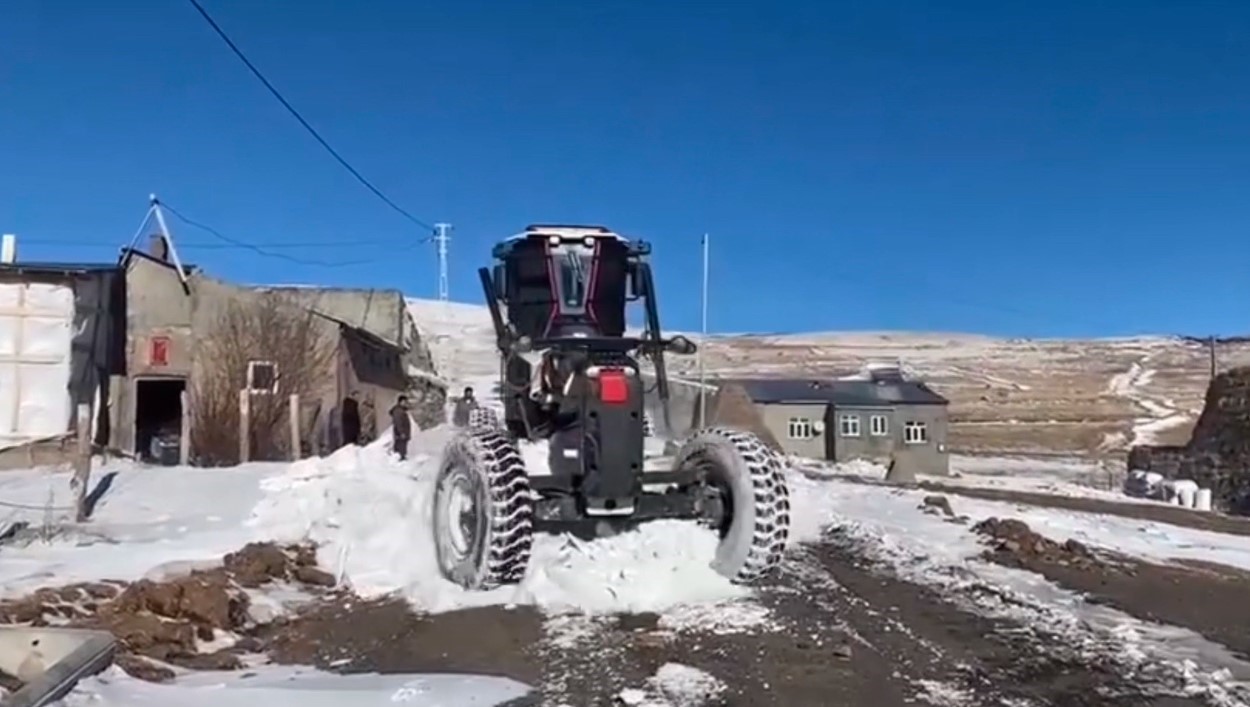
{"x": 1163, "y": 413}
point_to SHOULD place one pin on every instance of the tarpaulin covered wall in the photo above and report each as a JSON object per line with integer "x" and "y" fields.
{"x": 62, "y": 334}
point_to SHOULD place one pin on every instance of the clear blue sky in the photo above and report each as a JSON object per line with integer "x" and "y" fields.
{"x": 1059, "y": 168}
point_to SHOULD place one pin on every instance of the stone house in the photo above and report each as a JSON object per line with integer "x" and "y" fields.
{"x": 879, "y": 418}
{"x": 124, "y": 337}
{"x": 172, "y": 308}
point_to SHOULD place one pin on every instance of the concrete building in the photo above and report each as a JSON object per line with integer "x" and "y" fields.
{"x": 879, "y": 418}
{"x": 172, "y": 313}
{"x": 131, "y": 338}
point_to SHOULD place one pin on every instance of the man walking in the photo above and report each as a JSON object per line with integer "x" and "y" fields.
{"x": 467, "y": 403}
{"x": 401, "y": 427}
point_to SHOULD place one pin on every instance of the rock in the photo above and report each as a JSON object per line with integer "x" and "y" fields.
{"x": 204, "y": 598}
{"x": 142, "y": 668}
{"x": 940, "y": 503}
{"x": 1217, "y": 455}
{"x": 220, "y": 660}
{"x": 21, "y": 611}
{"x": 257, "y": 564}
{"x": 150, "y": 635}
{"x": 314, "y": 576}
{"x": 303, "y": 555}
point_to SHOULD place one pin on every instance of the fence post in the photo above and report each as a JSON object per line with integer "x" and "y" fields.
{"x": 82, "y": 460}
{"x": 294, "y": 415}
{"x": 245, "y": 427}
{"x": 184, "y": 439}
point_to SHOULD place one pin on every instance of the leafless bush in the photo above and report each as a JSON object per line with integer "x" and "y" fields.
{"x": 270, "y": 328}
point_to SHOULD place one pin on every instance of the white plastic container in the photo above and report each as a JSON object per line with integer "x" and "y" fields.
{"x": 1202, "y": 500}
{"x": 1186, "y": 489}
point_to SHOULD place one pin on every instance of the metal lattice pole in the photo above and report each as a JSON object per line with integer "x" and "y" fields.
{"x": 441, "y": 238}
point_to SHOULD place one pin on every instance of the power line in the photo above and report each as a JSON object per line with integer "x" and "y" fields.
{"x": 254, "y": 248}
{"x": 224, "y": 246}
{"x": 296, "y": 114}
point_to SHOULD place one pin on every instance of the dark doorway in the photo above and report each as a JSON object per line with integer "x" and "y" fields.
{"x": 158, "y": 419}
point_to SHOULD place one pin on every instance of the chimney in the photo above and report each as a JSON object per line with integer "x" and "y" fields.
{"x": 158, "y": 247}
{"x": 8, "y": 249}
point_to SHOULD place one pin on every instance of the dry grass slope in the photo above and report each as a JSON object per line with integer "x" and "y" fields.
{"x": 1013, "y": 395}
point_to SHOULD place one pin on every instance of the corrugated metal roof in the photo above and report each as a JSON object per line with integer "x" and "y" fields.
{"x": 840, "y": 392}
{"x": 39, "y": 268}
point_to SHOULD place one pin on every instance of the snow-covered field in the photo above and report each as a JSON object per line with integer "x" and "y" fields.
{"x": 370, "y": 515}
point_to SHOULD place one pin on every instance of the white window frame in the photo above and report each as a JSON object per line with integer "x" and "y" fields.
{"x": 915, "y": 432}
{"x": 848, "y": 425}
{"x": 879, "y": 425}
{"x": 800, "y": 428}
{"x": 251, "y": 377}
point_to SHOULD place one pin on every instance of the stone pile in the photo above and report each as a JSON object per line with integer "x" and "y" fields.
{"x": 1218, "y": 454}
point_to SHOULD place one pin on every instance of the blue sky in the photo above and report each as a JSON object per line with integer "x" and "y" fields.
{"x": 1061, "y": 168}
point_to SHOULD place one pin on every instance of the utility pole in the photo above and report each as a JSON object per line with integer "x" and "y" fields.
{"x": 703, "y": 343}
{"x": 1211, "y": 347}
{"x": 441, "y": 238}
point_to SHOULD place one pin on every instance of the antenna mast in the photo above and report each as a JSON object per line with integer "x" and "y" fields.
{"x": 441, "y": 238}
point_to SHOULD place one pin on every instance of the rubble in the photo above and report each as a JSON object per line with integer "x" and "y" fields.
{"x": 163, "y": 624}
{"x": 1218, "y": 453}
{"x": 1014, "y": 543}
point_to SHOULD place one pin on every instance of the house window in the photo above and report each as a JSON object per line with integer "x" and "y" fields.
{"x": 800, "y": 428}
{"x": 879, "y": 425}
{"x": 915, "y": 433}
{"x": 848, "y": 425}
{"x": 262, "y": 376}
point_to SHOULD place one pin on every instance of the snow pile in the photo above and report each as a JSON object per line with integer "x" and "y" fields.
{"x": 295, "y": 687}
{"x": 675, "y": 685}
{"x": 372, "y": 515}
{"x": 150, "y": 521}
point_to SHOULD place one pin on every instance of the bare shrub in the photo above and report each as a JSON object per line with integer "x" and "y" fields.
{"x": 267, "y": 328}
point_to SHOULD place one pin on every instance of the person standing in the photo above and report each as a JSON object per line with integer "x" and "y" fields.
{"x": 401, "y": 427}
{"x": 466, "y": 404}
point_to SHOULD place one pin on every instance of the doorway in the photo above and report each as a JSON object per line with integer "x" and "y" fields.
{"x": 158, "y": 419}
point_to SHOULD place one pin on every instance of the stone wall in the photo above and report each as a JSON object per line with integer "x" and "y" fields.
{"x": 1218, "y": 454}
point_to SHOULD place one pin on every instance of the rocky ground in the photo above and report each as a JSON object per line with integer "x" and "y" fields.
{"x": 837, "y": 628}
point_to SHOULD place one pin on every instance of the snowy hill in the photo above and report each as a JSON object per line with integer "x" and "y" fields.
{"x": 1008, "y": 395}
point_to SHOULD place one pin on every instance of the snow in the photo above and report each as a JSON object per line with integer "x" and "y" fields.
{"x": 374, "y": 511}
{"x": 1163, "y": 413}
{"x": 294, "y": 687}
{"x": 929, "y": 550}
{"x": 371, "y": 516}
{"x": 675, "y": 685}
{"x": 152, "y": 520}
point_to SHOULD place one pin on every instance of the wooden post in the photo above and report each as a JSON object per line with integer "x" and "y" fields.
{"x": 184, "y": 440}
{"x": 245, "y": 427}
{"x": 82, "y": 460}
{"x": 294, "y": 414}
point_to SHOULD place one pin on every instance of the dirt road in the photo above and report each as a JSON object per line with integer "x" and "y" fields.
{"x": 833, "y": 628}
{"x": 844, "y": 632}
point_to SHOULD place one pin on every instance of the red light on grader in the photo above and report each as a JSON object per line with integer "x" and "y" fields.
{"x": 613, "y": 386}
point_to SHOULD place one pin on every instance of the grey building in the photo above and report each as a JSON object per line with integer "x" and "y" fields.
{"x": 880, "y": 418}
{"x": 129, "y": 339}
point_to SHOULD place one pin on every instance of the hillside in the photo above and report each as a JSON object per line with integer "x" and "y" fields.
{"x": 1007, "y": 395}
